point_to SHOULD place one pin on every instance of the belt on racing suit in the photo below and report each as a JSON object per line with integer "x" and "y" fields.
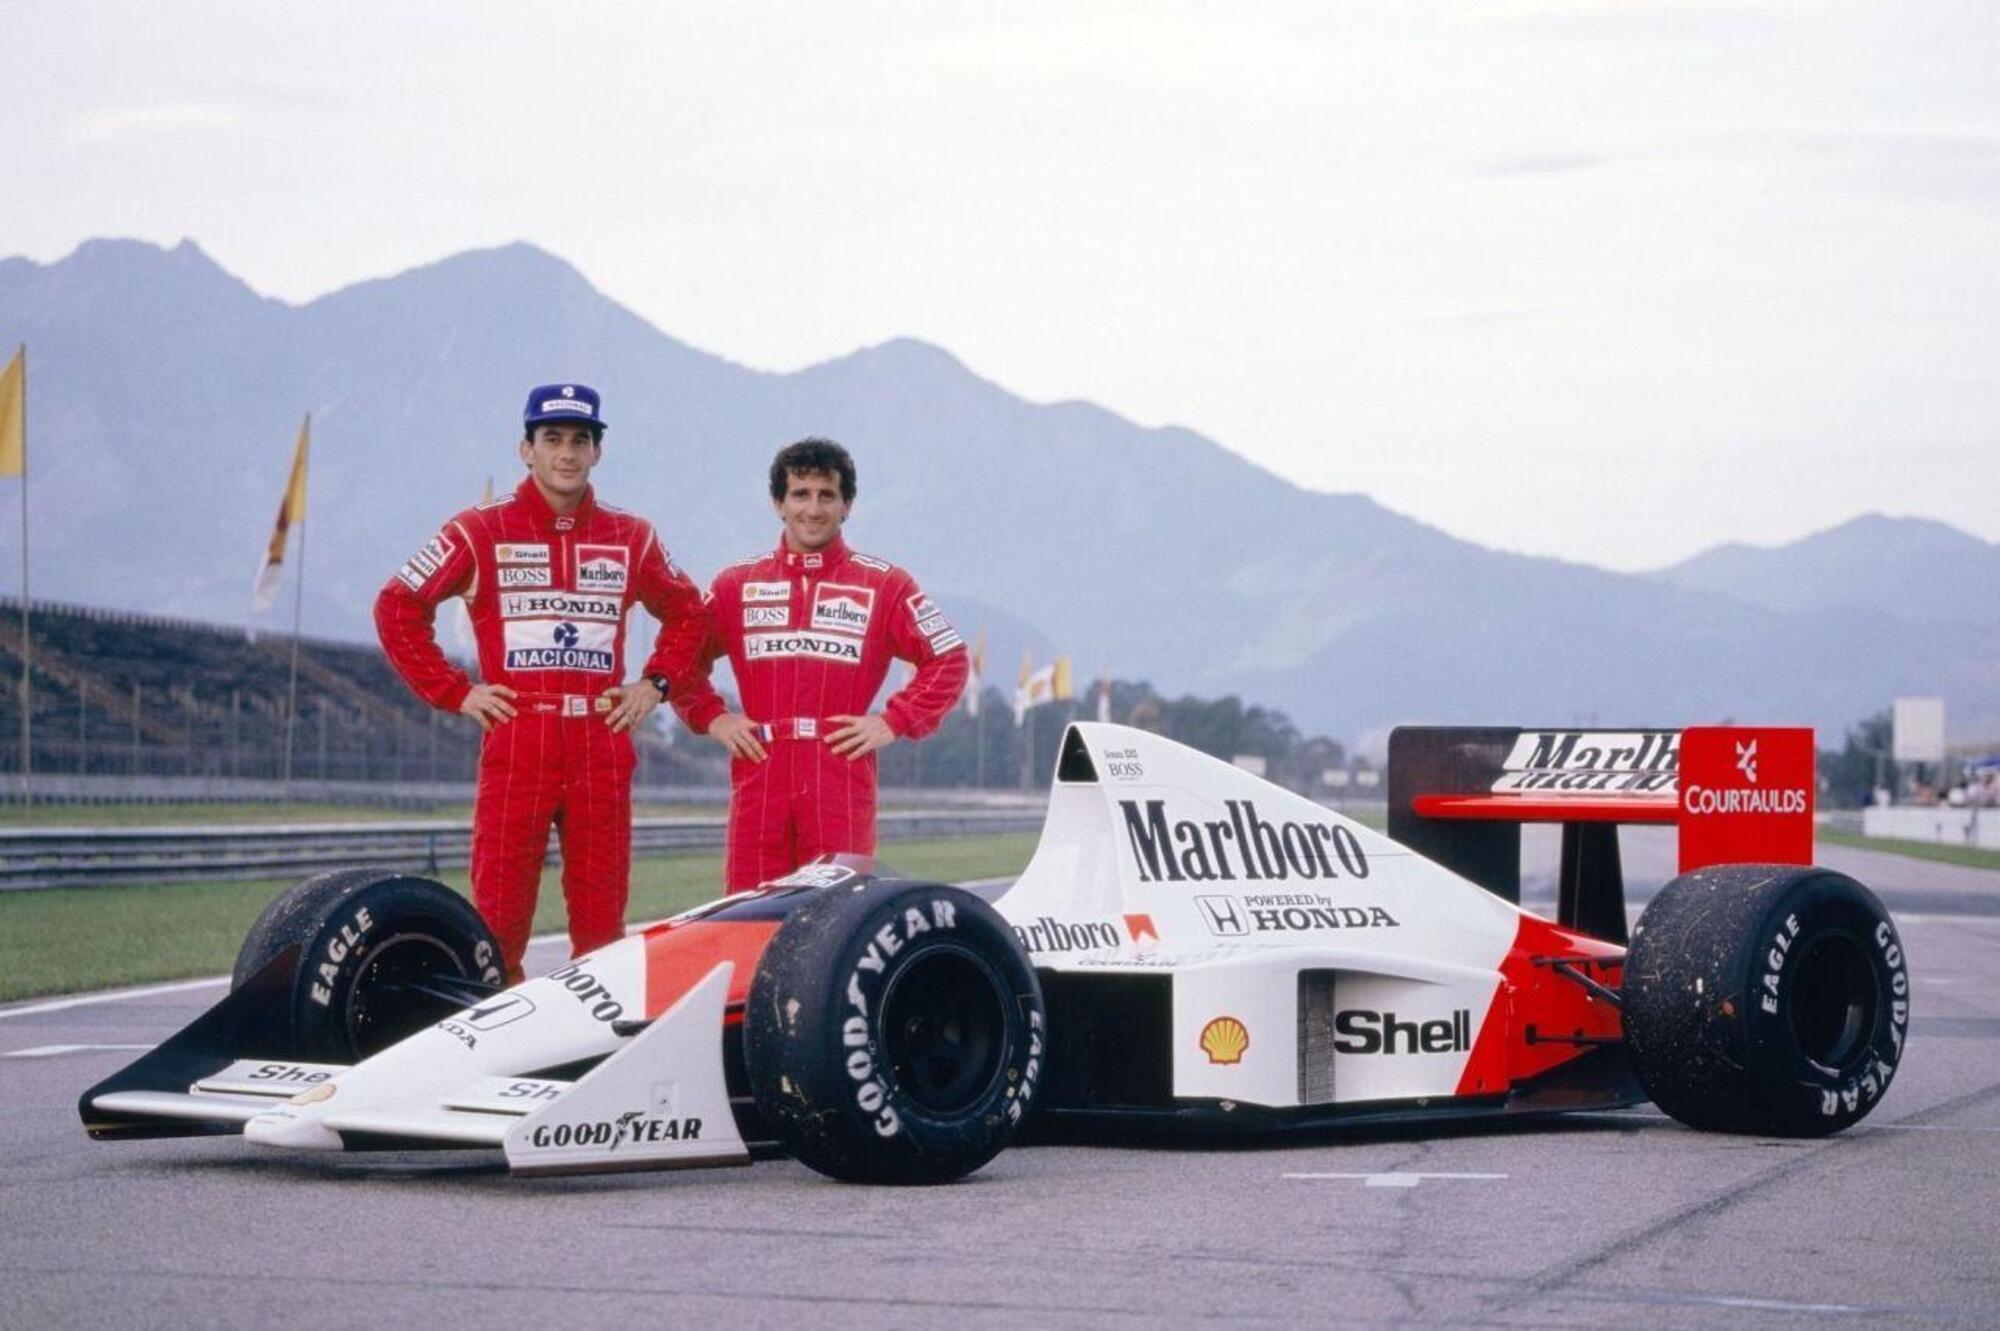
{"x": 563, "y": 704}
{"x": 793, "y": 727}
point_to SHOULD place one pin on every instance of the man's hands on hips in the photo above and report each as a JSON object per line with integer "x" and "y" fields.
{"x": 853, "y": 736}
{"x": 630, "y": 704}
{"x": 489, "y": 705}
{"x": 737, "y": 733}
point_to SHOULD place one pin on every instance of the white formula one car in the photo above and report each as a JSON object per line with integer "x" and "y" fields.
{"x": 1191, "y": 949}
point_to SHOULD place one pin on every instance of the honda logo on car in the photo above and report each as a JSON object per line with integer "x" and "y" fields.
{"x": 1360, "y": 1031}
{"x": 1186, "y": 850}
{"x": 1299, "y": 913}
{"x": 1224, "y": 915}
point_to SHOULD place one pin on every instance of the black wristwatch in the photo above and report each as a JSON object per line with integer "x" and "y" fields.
{"x": 661, "y": 683}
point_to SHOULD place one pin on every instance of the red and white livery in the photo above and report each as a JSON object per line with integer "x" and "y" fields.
{"x": 1191, "y": 950}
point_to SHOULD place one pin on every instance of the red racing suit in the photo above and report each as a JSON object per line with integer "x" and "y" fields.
{"x": 809, "y": 637}
{"x": 547, "y": 596}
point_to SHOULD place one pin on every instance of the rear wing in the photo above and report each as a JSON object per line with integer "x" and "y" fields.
{"x": 1735, "y": 794}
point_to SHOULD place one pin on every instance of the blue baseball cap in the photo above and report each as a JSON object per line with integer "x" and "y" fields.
{"x": 562, "y": 404}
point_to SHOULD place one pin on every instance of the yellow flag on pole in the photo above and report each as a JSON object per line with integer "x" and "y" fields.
{"x": 14, "y": 416}
{"x": 291, "y": 512}
{"x": 975, "y": 678}
{"x": 1049, "y": 683}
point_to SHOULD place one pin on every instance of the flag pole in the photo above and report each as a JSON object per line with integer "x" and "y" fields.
{"x": 298, "y": 614}
{"x": 27, "y": 632}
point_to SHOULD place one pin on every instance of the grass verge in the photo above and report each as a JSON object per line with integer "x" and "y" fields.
{"x": 1973, "y": 857}
{"x": 70, "y": 939}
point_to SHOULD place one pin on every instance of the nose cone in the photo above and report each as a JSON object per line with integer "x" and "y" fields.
{"x": 290, "y": 1130}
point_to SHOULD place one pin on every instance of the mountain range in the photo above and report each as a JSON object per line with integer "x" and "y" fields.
{"x": 165, "y": 394}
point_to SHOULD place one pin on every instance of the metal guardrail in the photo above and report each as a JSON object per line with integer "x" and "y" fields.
{"x": 53, "y": 789}
{"x": 76, "y": 857}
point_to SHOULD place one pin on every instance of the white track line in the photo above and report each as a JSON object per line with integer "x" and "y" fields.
{"x": 1393, "y": 1180}
{"x": 111, "y": 996}
{"x": 54, "y": 1050}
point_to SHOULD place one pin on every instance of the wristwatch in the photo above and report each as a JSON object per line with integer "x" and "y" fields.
{"x": 661, "y": 683}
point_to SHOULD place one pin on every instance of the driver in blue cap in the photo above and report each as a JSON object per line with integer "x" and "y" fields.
{"x": 548, "y": 574}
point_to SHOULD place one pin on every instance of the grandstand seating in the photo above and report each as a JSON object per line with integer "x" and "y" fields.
{"x": 126, "y": 694}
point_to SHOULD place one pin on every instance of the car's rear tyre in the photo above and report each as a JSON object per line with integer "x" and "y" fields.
{"x": 1766, "y": 999}
{"x": 381, "y": 955}
{"x": 894, "y": 1033}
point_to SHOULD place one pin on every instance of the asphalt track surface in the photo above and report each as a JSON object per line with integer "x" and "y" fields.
{"x": 1625, "y": 1217}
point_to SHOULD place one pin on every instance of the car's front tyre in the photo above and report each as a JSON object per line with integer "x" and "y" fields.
{"x": 894, "y": 1033}
{"x": 381, "y": 954}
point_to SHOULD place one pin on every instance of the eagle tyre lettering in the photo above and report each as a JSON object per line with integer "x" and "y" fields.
{"x": 894, "y": 1033}
{"x": 367, "y": 941}
{"x": 1767, "y": 999}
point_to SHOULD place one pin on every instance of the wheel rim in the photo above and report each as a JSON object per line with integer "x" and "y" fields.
{"x": 1834, "y": 1001}
{"x": 382, "y": 1007}
{"x": 944, "y": 1028}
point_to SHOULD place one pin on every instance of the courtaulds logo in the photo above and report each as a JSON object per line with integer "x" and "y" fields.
{"x": 1746, "y": 760}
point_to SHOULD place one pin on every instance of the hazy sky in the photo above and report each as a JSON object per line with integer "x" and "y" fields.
{"x": 1609, "y": 281}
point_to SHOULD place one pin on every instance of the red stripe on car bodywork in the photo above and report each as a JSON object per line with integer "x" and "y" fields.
{"x": 679, "y": 955}
{"x": 1533, "y": 996}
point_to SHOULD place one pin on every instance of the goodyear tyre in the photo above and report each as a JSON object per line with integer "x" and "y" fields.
{"x": 381, "y": 955}
{"x": 1766, "y": 999}
{"x": 894, "y": 1033}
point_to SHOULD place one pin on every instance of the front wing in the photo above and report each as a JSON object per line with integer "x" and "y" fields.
{"x": 659, "y": 1101}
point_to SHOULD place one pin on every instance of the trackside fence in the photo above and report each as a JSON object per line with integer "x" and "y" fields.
{"x": 72, "y": 857}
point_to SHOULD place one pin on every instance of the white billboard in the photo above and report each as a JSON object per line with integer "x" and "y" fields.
{"x": 1917, "y": 733}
